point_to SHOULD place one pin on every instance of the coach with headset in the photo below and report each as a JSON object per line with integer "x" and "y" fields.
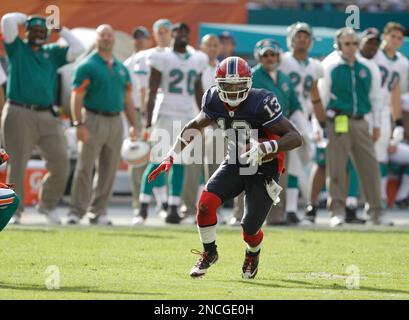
{"x": 28, "y": 118}
{"x": 349, "y": 90}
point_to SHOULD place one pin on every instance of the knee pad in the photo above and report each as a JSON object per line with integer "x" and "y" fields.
{"x": 253, "y": 240}
{"x": 206, "y": 210}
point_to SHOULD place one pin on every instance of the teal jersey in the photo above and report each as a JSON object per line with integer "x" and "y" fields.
{"x": 32, "y": 74}
{"x": 282, "y": 88}
{"x": 105, "y": 83}
{"x": 350, "y": 89}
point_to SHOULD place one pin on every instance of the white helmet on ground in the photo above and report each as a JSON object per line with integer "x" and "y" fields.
{"x": 135, "y": 153}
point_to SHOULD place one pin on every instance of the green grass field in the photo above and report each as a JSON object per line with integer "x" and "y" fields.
{"x": 153, "y": 263}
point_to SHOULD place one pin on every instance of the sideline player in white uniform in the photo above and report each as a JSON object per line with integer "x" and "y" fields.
{"x": 195, "y": 173}
{"x": 162, "y": 30}
{"x": 178, "y": 72}
{"x": 304, "y": 73}
{"x": 394, "y": 72}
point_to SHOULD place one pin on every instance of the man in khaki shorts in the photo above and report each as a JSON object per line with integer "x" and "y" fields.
{"x": 28, "y": 119}
{"x": 101, "y": 91}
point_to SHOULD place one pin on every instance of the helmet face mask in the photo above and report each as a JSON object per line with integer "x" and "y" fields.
{"x": 233, "y": 91}
{"x": 233, "y": 80}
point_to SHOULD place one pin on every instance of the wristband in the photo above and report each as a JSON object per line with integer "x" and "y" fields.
{"x": 269, "y": 147}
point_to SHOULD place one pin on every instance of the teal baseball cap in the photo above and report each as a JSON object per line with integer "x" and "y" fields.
{"x": 36, "y": 21}
{"x": 267, "y": 45}
{"x": 162, "y": 23}
{"x": 140, "y": 32}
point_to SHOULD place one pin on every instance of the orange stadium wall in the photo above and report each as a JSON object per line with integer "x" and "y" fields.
{"x": 124, "y": 15}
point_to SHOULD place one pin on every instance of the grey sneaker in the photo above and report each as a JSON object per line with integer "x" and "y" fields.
{"x": 51, "y": 215}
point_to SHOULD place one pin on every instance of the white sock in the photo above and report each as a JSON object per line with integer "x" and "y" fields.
{"x": 253, "y": 249}
{"x": 403, "y": 191}
{"x": 207, "y": 234}
{"x": 323, "y": 195}
{"x": 145, "y": 198}
{"x": 352, "y": 202}
{"x": 384, "y": 183}
{"x": 161, "y": 194}
{"x": 174, "y": 201}
{"x": 292, "y": 200}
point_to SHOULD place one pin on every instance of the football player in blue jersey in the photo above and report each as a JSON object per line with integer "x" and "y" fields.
{"x": 237, "y": 108}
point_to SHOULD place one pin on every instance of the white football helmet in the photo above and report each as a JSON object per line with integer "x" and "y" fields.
{"x": 135, "y": 153}
{"x": 233, "y": 80}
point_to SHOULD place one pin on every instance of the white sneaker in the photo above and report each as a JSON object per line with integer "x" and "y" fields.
{"x": 336, "y": 221}
{"x": 138, "y": 220}
{"x": 72, "y": 219}
{"x": 163, "y": 213}
{"x": 101, "y": 221}
{"x": 53, "y": 217}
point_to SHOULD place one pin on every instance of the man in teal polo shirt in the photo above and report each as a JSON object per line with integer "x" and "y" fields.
{"x": 266, "y": 75}
{"x": 28, "y": 119}
{"x": 102, "y": 89}
{"x": 349, "y": 90}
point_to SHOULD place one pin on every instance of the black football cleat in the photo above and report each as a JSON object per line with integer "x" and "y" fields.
{"x": 173, "y": 216}
{"x": 351, "y": 217}
{"x": 204, "y": 263}
{"x": 310, "y": 213}
{"x": 292, "y": 218}
{"x": 250, "y": 265}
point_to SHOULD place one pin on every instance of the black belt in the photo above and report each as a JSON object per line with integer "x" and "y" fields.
{"x": 104, "y": 113}
{"x": 356, "y": 117}
{"x": 331, "y": 114}
{"x": 34, "y": 107}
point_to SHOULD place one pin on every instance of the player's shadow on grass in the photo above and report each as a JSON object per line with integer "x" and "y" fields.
{"x": 336, "y": 286}
{"x": 319, "y": 286}
{"x": 90, "y": 290}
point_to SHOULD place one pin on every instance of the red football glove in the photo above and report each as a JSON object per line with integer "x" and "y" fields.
{"x": 164, "y": 166}
{"x": 3, "y": 156}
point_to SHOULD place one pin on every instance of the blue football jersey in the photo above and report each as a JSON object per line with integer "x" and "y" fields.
{"x": 259, "y": 111}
